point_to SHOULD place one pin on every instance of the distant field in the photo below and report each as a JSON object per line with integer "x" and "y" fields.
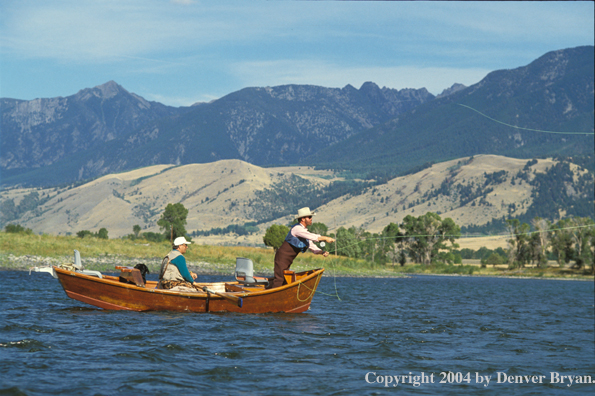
{"x": 491, "y": 242}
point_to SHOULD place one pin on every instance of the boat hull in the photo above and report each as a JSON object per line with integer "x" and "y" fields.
{"x": 109, "y": 293}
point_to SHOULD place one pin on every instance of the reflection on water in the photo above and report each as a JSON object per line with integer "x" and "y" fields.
{"x": 380, "y": 327}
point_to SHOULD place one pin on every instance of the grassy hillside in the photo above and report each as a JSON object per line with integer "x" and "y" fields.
{"x": 476, "y": 192}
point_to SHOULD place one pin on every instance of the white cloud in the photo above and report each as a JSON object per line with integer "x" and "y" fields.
{"x": 182, "y": 2}
{"x": 177, "y": 47}
{"x": 105, "y": 31}
{"x": 177, "y": 101}
{"x": 91, "y": 31}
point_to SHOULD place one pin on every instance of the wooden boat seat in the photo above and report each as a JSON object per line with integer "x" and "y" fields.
{"x": 244, "y": 273}
{"x": 131, "y": 275}
{"x": 289, "y": 276}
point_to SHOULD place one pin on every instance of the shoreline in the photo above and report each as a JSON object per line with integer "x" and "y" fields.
{"x": 26, "y": 262}
{"x": 585, "y": 279}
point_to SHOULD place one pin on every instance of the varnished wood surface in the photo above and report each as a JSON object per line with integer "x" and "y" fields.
{"x": 109, "y": 293}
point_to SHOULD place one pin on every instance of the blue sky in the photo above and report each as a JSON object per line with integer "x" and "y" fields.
{"x": 180, "y": 52}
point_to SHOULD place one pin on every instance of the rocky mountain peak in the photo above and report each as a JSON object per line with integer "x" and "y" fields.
{"x": 370, "y": 89}
{"x": 369, "y": 86}
{"x": 449, "y": 91}
{"x": 110, "y": 89}
{"x": 104, "y": 91}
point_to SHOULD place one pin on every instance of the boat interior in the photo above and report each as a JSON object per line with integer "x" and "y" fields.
{"x": 245, "y": 280}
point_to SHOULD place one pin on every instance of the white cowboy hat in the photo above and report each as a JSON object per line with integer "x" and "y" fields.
{"x": 181, "y": 241}
{"x": 304, "y": 212}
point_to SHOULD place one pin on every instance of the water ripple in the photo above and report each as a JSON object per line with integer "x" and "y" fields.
{"x": 389, "y": 327}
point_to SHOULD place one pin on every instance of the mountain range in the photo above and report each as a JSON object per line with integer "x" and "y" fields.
{"x": 371, "y": 131}
{"x": 107, "y": 129}
{"x": 531, "y": 111}
{"x": 106, "y": 157}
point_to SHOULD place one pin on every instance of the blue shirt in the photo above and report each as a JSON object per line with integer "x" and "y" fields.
{"x": 180, "y": 263}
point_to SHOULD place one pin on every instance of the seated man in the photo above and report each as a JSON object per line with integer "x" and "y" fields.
{"x": 174, "y": 274}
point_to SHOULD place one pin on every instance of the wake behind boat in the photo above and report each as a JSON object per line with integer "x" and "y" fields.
{"x": 129, "y": 291}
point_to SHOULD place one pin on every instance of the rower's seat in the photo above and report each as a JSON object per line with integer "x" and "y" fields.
{"x": 79, "y": 266}
{"x": 245, "y": 273}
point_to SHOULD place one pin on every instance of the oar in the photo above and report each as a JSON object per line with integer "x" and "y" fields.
{"x": 236, "y": 300}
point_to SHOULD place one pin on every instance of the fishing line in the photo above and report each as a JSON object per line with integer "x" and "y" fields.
{"x": 526, "y": 129}
{"x": 405, "y": 237}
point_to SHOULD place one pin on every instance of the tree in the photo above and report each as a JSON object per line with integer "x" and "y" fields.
{"x": 482, "y": 253}
{"x": 368, "y": 246}
{"x": 542, "y": 227}
{"x": 401, "y": 242}
{"x": 102, "y": 233}
{"x": 17, "y": 228}
{"x": 84, "y": 233}
{"x": 427, "y": 235}
{"x": 592, "y": 238}
{"x": 519, "y": 251}
{"x": 402, "y": 257}
{"x": 390, "y": 235}
{"x": 561, "y": 242}
{"x": 581, "y": 233}
{"x": 467, "y": 253}
{"x": 318, "y": 228}
{"x": 153, "y": 236}
{"x": 347, "y": 243}
{"x": 494, "y": 259}
{"x": 136, "y": 230}
{"x": 174, "y": 216}
{"x": 275, "y": 235}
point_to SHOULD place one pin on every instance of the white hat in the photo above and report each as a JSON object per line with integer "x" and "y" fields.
{"x": 304, "y": 212}
{"x": 181, "y": 241}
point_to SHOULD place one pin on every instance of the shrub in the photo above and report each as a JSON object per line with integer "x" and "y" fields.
{"x": 17, "y": 228}
{"x": 275, "y": 235}
{"x": 494, "y": 259}
{"x": 153, "y": 237}
{"x": 84, "y": 233}
{"x": 102, "y": 233}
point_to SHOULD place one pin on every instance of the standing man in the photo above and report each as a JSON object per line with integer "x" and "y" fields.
{"x": 174, "y": 274}
{"x": 298, "y": 239}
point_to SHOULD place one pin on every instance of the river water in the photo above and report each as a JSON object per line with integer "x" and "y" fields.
{"x": 415, "y": 330}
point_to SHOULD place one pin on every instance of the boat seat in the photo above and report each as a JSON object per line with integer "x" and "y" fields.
{"x": 131, "y": 275}
{"x": 245, "y": 273}
{"x": 78, "y": 265}
{"x": 289, "y": 276}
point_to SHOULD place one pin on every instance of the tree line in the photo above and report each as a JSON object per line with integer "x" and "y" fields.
{"x": 424, "y": 239}
{"x": 429, "y": 239}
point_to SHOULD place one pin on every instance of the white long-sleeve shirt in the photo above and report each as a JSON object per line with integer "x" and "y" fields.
{"x": 300, "y": 231}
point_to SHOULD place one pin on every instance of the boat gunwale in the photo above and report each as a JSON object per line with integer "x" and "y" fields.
{"x": 198, "y": 293}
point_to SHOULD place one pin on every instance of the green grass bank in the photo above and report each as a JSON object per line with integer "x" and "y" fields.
{"x": 19, "y": 251}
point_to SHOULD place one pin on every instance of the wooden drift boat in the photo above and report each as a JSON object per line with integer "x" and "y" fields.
{"x": 130, "y": 292}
